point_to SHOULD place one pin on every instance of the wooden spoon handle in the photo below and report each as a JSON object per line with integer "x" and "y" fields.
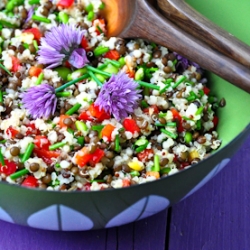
{"x": 196, "y": 24}
{"x": 150, "y": 25}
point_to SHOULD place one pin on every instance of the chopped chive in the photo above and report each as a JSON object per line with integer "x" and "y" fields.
{"x": 171, "y": 124}
{"x": 74, "y": 109}
{"x": 141, "y": 148}
{"x": 134, "y": 173}
{"x": 168, "y": 81}
{"x": 102, "y": 66}
{"x": 156, "y": 166}
{"x": 99, "y": 29}
{"x": 100, "y": 50}
{"x": 187, "y": 118}
{"x": 164, "y": 89}
{"x": 158, "y": 124}
{"x": 97, "y": 180}
{"x": 57, "y": 145}
{"x": 113, "y": 62}
{"x": 201, "y": 93}
{"x": 19, "y": 174}
{"x": 3, "y": 141}
{"x": 5, "y": 69}
{"x": 198, "y": 125}
{"x": 28, "y": 152}
{"x": 97, "y": 128}
{"x": 188, "y": 137}
{"x": 1, "y": 96}
{"x": 95, "y": 70}
{"x": 32, "y": 2}
{"x": 66, "y": 85}
{"x": 63, "y": 94}
{"x": 1, "y": 158}
{"x": 7, "y": 24}
{"x": 80, "y": 140}
{"x": 117, "y": 143}
{"x": 35, "y": 44}
{"x": 146, "y": 91}
{"x": 144, "y": 104}
{"x": 170, "y": 134}
{"x": 81, "y": 126}
{"x": 70, "y": 130}
{"x": 39, "y": 79}
{"x": 190, "y": 83}
{"x": 57, "y": 165}
{"x": 148, "y": 85}
{"x": 40, "y": 19}
{"x": 91, "y": 16}
{"x": 95, "y": 78}
{"x": 153, "y": 45}
{"x": 165, "y": 170}
{"x": 191, "y": 98}
{"x": 25, "y": 45}
{"x": 179, "y": 81}
{"x": 199, "y": 110}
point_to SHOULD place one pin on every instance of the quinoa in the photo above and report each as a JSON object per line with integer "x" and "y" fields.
{"x": 158, "y": 118}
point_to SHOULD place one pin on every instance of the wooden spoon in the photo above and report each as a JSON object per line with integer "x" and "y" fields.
{"x": 194, "y": 23}
{"x": 139, "y": 19}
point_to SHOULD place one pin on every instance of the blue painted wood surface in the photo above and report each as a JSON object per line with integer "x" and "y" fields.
{"x": 214, "y": 218}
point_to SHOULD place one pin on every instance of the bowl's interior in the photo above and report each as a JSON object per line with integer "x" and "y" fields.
{"x": 234, "y": 18}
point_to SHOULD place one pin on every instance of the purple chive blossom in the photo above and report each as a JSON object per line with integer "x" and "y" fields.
{"x": 183, "y": 63}
{"x": 60, "y": 44}
{"x": 30, "y": 14}
{"x": 119, "y": 96}
{"x": 40, "y": 101}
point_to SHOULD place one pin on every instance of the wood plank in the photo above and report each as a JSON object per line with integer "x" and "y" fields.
{"x": 216, "y": 216}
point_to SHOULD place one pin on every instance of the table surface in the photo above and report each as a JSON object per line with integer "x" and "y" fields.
{"x": 215, "y": 217}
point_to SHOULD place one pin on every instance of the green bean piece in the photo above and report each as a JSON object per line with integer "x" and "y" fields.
{"x": 80, "y": 140}
{"x": 188, "y": 137}
{"x": 63, "y": 17}
{"x": 91, "y": 16}
{"x": 168, "y": 133}
{"x": 40, "y": 19}
{"x": 89, "y": 7}
{"x": 117, "y": 143}
{"x": 81, "y": 126}
{"x": 1, "y": 96}
{"x": 100, "y": 50}
{"x": 139, "y": 74}
{"x": 156, "y": 166}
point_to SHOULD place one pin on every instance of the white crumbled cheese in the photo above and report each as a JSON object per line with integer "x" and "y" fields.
{"x": 128, "y": 135}
{"x": 26, "y": 37}
{"x": 23, "y": 144}
{"x": 52, "y": 136}
{"x": 168, "y": 143}
{"x": 42, "y": 167}
{"x": 117, "y": 183}
{"x": 208, "y": 125}
{"x": 95, "y": 171}
{"x": 15, "y": 119}
{"x": 26, "y": 55}
{"x": 69, "y": 138}
{"x": 161, "y": 137}
{"x": 65, "y": 164}
{"x": 109, "y": 43}
{"x": 42, "y": 126}
{"x": 6, "y": 33}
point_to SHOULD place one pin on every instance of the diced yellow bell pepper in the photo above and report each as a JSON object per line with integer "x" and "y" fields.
{"x": 135, "y": 165}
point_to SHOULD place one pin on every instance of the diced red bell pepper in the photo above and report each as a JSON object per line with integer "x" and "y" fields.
{"x": 85, "y": 44}
{"x": 35, "y": 71}
{"x": 42, "y": 142}
{"x": 36, "y": 32}
{"x": 130, "y": 125}
{"x": 46, "y": 155}
{"x": 9, "y": 168}
{"x": 145, "y": 155}
{"x": 97, "y": 155}
{"x": 177, "y": 117}
{"x": 98, "y": 113}
{"x": 112, "y": 54}
{"x": 32, "y": 130}
{"x": 131, "y": 74}
{"x": 206, "y": 90}
{"x": 15, "y": 64}
{"x": 107, "y": 131}
{"x": 85, "y": 116}
{"x": 65, "y": 3}
{"x": 153, "y": 108}
{"x": 30, "y": 181}
{"x": 83, "y": 156}
{"x": 11, "y": 132}
{"x": 215, "y": 121}
{"x": 126, "y": 183}
{"x": 99, "y": 25}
